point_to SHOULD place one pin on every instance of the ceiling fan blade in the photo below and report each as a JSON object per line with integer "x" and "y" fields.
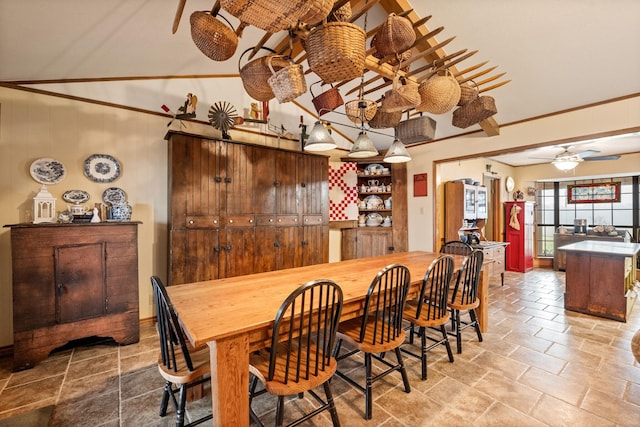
{"x": 601, "y": 158}
{"x": 587, "y": 153}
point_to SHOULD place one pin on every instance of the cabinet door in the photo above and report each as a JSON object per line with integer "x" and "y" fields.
{"x": 197, "y": 178}
{"x": 314, "y": 186}
{"x": 469, "y": 202}
{"x": 237, "y": 171}
{"x": 315, "y": 244}
{"x": 373, "y": 242}
{"x": 481, "y": 203}
{"x": 80, "y": 282}
{"x": 286, "y": 182}
{"x": 238, "y": 253}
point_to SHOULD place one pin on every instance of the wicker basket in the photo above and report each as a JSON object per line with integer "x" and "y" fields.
{"x": 439, "y": 94}
{"x": 401, "y": 97}
{"x": 269, "y": 15}
{"x": 341, "y": 14}
{"x": 360, "y": 110}
{"x": 474, "y": 112}
{"x": 288, "y": 83}
{"x": 418, "y": 129}
{"x": 327, "y": 101}
{"x": 468, "y": 92}
{"x": 318, "y": 10}
{"x": 384, "y": 120}
{"x": 255, "y": 73}
{"x": 216, "y": 40}
{"x": 395, "y": 35}
{"x": 336, "y": 51}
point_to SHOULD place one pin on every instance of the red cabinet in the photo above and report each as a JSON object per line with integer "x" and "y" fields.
{"x": 519, "y": 234}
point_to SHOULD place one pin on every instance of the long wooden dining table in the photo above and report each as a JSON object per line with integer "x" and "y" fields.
{"x": 233, "y": 316}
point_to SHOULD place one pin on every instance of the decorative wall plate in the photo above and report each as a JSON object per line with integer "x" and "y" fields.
{"x": 47, "y": 171}
{"x": 114, "y": 195}
{"x": 75, "y": 196}
{"x": 101, "y": 168}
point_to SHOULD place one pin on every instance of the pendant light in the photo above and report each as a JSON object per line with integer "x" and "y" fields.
{"x": 319, "y": 139}
{"x": 397, "y": 153}
{"x": 363, "y": 147}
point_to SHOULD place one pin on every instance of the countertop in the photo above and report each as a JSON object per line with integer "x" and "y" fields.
{"x": 609, "y": 248}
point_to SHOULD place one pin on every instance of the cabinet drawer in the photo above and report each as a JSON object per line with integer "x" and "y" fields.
{"x": 240, "y": 221}
{"x": 312, "y": 219}
{"x": 202, "y": 221}
{"x": 279, "y": 220}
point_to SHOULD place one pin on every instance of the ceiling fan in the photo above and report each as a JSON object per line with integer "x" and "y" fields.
{"x": 568, "y": 160}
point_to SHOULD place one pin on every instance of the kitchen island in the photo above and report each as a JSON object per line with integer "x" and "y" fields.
{"x": 599, "y": 276}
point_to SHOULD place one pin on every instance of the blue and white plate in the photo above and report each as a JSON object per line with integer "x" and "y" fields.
{"x": 76, "y": 196}
{"x": 47, "y": 171}
{"x": 101, "y": 168}
{"x": 114, "y": 195}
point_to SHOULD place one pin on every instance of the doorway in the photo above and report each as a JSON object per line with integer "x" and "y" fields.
{"x": 492, "y": 225}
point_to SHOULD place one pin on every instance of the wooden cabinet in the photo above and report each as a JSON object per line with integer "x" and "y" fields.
{"x": 466, "y": 208}
{"x": 560, "y": 257}
{"x": 72, "y": 281}
{"x": 493, "y": 258}
{"x": 519, "y": 235}
{"x": 377, "y": 184}
{"x": 238, "y": 208}
{"x": 598, "y": 277}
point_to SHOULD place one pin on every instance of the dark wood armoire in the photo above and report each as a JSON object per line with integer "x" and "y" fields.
{"x": 237, "y": 208}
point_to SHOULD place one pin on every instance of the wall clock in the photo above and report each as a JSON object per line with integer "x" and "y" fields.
{"x": 509, "y": 184}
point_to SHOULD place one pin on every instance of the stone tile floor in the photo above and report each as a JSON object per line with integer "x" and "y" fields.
{"x": 539, "y": 365}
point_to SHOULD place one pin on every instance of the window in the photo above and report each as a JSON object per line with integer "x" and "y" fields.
{"x": 553, "y": 209}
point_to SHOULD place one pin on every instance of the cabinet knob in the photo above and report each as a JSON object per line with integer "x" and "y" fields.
{"x": 190, "y": 221}
{"x": 270, "y": 219}
{"x": 250, "y": 221}
{"x": 215, "y": 221}
{"x": 230, "y": 221}
{"x": 217, "y": 179}
{"x": 279, "y": 219}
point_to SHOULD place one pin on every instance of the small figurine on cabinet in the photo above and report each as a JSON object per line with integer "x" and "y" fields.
{"x": 188, "y": 110}
{"x": 96, "y": 216}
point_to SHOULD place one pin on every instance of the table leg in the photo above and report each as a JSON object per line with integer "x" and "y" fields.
{"x": 483, "y": 295}
{"x": 230, "y": 381}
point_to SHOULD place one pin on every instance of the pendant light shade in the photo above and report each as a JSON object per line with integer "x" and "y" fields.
{"x": 363, "y": 147}
{"x": 319, "y": 139}
{"x": 397, "y": 153}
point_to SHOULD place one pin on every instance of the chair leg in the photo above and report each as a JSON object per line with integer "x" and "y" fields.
{"x": 458, "y": 332}
{"x": 165, "y": 399}
{"x": 367, "y": 393}
{"x": 280, "y": 411}
{"x": 332, "y": 405}
{"x": 182, "y": 401}
{"x": 336, "y": 349}
{"x": 474, "y": 320}
{"x": 403, "y": 371}
{"x": 446, "y": 342}
{"x": 423, "y": 356}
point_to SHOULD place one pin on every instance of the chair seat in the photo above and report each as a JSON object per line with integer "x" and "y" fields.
{"x": 350, "y": 332}
{"x": 457, "y": 304}
{"x": 259, "y": 366}
{"x": 409, "y": 314}
{"x": 200, "y": 359}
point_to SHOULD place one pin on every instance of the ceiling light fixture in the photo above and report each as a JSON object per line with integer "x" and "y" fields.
{"x": 319, "y": 139}
{"x": 566, "y": 164}
{"x": 397, "y": 153}
{"x": 363, "y": 147}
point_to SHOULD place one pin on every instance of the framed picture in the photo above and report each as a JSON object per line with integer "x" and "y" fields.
{"x": 604, "y": 192}
{"x": 420, "y": 185}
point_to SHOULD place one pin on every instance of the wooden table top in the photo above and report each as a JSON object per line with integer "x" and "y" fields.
{"x": 216, "y": 309}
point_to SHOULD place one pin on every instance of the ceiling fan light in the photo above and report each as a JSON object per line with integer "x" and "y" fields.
{"x": 363, "y": 147}
{"x": 565, "y": 165}
{"x": 319, "y": 139}
{"x": 397, "y": 153}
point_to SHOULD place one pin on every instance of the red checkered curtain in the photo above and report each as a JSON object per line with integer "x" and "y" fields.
{"x": 343, "y": 191}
